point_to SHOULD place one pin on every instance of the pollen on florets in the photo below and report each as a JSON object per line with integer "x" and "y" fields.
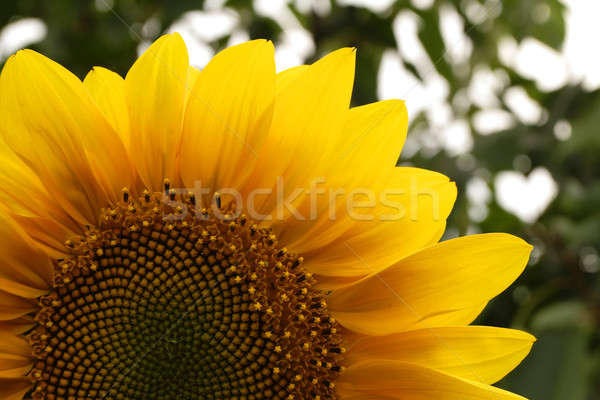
{"x": 164, "y": 302}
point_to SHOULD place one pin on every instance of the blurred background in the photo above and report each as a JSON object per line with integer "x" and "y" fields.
{"x": 503, "y": 97}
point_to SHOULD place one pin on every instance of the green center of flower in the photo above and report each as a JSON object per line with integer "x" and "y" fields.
{"x": 191, "y": 307}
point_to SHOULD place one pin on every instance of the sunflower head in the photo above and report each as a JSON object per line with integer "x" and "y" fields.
{"x": 232, "y": 233}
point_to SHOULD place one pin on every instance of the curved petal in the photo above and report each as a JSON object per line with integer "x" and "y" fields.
{"x": 193, "y": 74}
{"x": 49, "y": 120}
{"x": 287, "y": 76}
{"x": 401, "y": 318}
{"x": 310, "y": 111}
{"x": 24, "y": 270}
{"x": 373, "y": 137}
{"x": 24, "y": 197}
{"x": 409, "y": 213}
{"x": 107, "y": 89}
{"x": 14, "y": 388}
{"x": 480, "y": 353}
{"x": 13, "y": 307}
{"x": 17, "y": 326}
{"x": 228, "y": 115}
{"x": 454, "y": 275}
{"x": 155, "y": 88}
{"x": 49, "y": 233}
{"x": 399, "y": 380}
{"x": 15, "y": 355}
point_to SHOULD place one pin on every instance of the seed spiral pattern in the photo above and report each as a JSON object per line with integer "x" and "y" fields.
{"x": 192, "y": 306}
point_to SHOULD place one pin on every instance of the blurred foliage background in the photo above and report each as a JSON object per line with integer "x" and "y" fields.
{"x": 493, "y": 104}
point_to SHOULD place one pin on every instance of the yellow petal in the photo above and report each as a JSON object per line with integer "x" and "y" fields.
{"x": 107, "y": 89}
{"x": 17, "y": 372}
{"x": 411, "y": 216}
{"x": 24, "y": 270}
{"x": 193, "y": 74}
{"x": 308, "y": 117}
{"x": 155, "y": 91}
{"x": 14, "y": 388}
{"x": 479, "y": 353}
{"x": 458, "y": 317}
{"x": 228, "y": 115}
{"x": 454, "y": 275}
{"x": 10, "y": 285}
{"x": 382, "y": 379}
{"x": 12, "y": 307}
{"x": 386, "y": 321}
{"x": 49, "y": 120}
{"x": 373, "y": 137}
{"x": 17, "y": 326}
{"x": 15, "y": 355}
{"x": 48, "y": 233}
{"x": 14, "y": 344}
{"x": 287, "y": 76}
{"x": 24, "y": 197}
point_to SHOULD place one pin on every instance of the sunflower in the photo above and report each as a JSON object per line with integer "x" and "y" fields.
{"x": 116, "y": 283}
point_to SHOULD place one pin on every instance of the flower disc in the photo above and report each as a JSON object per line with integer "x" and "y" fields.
{"x": 190, "y": 306}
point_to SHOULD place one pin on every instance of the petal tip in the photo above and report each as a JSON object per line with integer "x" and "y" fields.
{"x": 21, "y": 56}
{"x": 262, "y": 44}
{"x": 351, "y": 51}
